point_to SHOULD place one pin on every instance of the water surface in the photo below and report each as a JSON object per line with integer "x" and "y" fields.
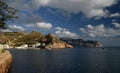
{"x": 76, "y": 60}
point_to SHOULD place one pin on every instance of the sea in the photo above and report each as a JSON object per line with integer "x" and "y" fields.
{"x": 74, "y": 60}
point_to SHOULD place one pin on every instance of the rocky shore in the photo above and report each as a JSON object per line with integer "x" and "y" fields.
{"x": 5, "y": 61}
{"x": 58, "y": 46}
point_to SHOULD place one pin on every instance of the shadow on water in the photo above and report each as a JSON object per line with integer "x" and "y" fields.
{"x": 77, "y": 60}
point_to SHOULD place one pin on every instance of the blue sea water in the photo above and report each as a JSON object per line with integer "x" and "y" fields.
{"x": 76, "y": 60}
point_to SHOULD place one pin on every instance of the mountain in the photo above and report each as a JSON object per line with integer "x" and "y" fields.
{"x": 81, "y": 42}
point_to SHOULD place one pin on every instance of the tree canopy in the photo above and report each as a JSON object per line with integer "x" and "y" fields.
{"x": 6, "y": 13}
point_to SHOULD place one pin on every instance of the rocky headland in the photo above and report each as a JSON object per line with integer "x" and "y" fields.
{"x": 55, "y": 43}
{"x": 82, "y": 42}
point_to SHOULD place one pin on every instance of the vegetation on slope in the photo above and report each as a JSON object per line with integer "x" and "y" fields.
{"x": 19, "y": 38}
{"x": 29, "y": 39}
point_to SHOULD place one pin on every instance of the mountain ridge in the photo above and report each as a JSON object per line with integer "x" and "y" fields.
{"x": 81, "y": 42}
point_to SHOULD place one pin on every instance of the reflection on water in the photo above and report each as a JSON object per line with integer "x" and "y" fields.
{"x": 77, "y": 60}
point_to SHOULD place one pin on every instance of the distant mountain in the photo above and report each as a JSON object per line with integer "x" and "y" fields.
{"x": 16, "y": 39}
{"x": 81, "y": 42}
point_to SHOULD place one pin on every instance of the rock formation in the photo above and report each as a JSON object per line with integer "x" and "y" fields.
{"x": 5, "y": 61}
{"x": 54, "y": 43}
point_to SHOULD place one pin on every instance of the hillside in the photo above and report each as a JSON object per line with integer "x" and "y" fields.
{"x": 9, "y": 37}
{"x": 17, "y": 39}
{"x": 30, "y": 38}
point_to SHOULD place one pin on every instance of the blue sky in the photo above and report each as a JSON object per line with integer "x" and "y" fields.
{"x": 86, "y": 19}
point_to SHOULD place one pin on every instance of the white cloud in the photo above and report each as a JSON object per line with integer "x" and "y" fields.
{"x": 115, "y": 15}
{"x": 100, "y": 31}
{"x": 40, "y": 25}
{"x": 91, "y": 8}
{"x": 98, "y": 13}
{"x": 114, "y": 20}
{"x": 60, "y": 29}
{"x": 58, "y": 32}
{"x": 44, "y": 25}
{"x": 117, "y": 25}
{"x": 13, "y": 28}
{"x": 90, "y": 27}
{"x": 5, "y": 30}
{"x": 16, "y": 28}
{"x": 62, "y": 32}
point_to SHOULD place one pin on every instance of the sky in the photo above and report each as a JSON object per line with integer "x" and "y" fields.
{"x": 85, "y": 19}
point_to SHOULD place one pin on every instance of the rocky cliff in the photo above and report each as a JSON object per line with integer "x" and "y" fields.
{"x": 5, "y": 61}
{"x": 58, "y": 46}
{"x": 53, "y": 42}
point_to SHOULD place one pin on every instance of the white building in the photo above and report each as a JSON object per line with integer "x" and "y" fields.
{"x": 24, "y": 46}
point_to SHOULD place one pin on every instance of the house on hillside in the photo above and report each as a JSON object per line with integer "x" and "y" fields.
{"x": 24, "y": 46}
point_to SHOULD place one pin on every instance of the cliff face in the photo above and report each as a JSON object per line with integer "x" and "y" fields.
{"x": 58, "y": 46}
{"x": 54, "y": 43}
{"x": 5, "y": 61}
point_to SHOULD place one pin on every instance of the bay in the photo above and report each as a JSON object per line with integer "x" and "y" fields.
{"x": 75, "y": 60}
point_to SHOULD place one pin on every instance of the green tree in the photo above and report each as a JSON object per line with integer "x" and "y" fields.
{"x": 6, "y": 13}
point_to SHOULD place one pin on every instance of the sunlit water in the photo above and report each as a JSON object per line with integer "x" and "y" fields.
{"x": 76, "y": 60}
